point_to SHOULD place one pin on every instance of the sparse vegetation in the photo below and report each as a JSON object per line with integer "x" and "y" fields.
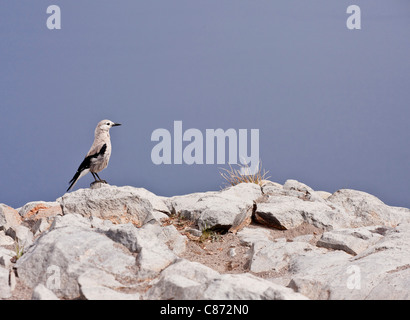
{"x": 209, "y": 235}
{"x": 19, "y": 250}
{"x": 244, "y": 174}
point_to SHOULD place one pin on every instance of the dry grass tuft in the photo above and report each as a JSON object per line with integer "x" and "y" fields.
{"x": 244, "y": 174}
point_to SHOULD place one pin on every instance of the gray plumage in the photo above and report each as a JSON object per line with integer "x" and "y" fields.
{"x": 99, "y": 154}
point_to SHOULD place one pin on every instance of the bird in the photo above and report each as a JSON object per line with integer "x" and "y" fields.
{"x": 99, "y": 154}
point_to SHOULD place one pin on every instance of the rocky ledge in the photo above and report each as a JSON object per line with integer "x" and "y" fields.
{"x": 244, "y": 242}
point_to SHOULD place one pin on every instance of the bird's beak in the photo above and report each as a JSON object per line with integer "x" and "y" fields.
{"x": 116, "y": 124}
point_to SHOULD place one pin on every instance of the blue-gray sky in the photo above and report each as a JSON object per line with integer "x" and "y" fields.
{"x": 332, "y": 104}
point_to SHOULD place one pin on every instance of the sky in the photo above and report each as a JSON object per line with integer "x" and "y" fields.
{"x": 331, "y": 104}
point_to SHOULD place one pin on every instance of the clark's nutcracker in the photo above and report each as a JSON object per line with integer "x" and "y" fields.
{"x": 99, "y": 155}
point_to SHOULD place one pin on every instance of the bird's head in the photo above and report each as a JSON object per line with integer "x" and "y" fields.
{"x": 106, "y": 125}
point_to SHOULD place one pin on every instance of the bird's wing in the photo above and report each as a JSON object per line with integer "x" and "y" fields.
{"x": 91, "y": 157}
{"x": 95, "y": 149}
{"x": 85, "y": 165}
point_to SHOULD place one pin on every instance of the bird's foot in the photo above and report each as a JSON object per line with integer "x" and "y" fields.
{"x": 98, "y": 181}
{"x": 98, "y": 184}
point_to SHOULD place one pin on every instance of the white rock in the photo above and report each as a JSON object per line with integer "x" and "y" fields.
{"x": 275, "y": 255}
{"x": 71, "y": 250}
{"x": 8, "y": 217}
{"x": 323, "y": 194}
{"x": 268, "y": 183}
{"x": 395, "y": 286}
{"x": 21, "y": 235}
{"x": 273, "y": 189}
{"x": 185, "y": 280}
{"x": 5, "y": 240}
{"x": 232, "y": 252}
{"x": 153, "y": 260}
{"x": 41, "y": 292}
{"x": 25, "y": 210}
{"x": 304, "y": 238}
{"x": 312, "y": 272}
{"x": 217, "y": 209}
{"x": 157, "y": 202}
{"x": 287, "y": 212}
{"x": 247, "y": 287}
{"x": 103, "y": 225}
{"x": 310, "y": 287}
{"x": 368, "y": 210}
{"x": 153, "y": 254}
{"x": 5, "y": 256}
{"x": 344, "y": 209}
{"x": 103, "y": 293}
{"x": 380, "y": 271}
{"x": 248, "y": 236}
{"x": 127, "y": 235}
{"x": 298, "y": 186}
{"x": 184, "y": 205}
{"x": 280, "y": 212}
{"x": 70, "y": 220}
{"x": 38, "y": 215}
{"x": 117, "y": 204}
{"x": 40, "y": 226}
{"x": 5, "y": 290}
{"x": 352, "y": 241}
{"x": 173, "y": 239}
{"x": 193, "y": 231}
{"x": 293, "y": 188}
{"x": 99, "y": 285}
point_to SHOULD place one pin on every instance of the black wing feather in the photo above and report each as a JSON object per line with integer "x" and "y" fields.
{"x": 86, "y": 165}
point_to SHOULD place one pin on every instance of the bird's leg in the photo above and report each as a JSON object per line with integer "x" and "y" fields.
{"x": 100, "y": 178}
{"x": 94, "y": 178}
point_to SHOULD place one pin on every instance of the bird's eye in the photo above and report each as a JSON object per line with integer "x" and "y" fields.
{"x": 108, "y": 123}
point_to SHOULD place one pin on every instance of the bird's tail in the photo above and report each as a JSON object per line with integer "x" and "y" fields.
{"x": 78, "y": 175}
{"x": 74, "y": 180}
